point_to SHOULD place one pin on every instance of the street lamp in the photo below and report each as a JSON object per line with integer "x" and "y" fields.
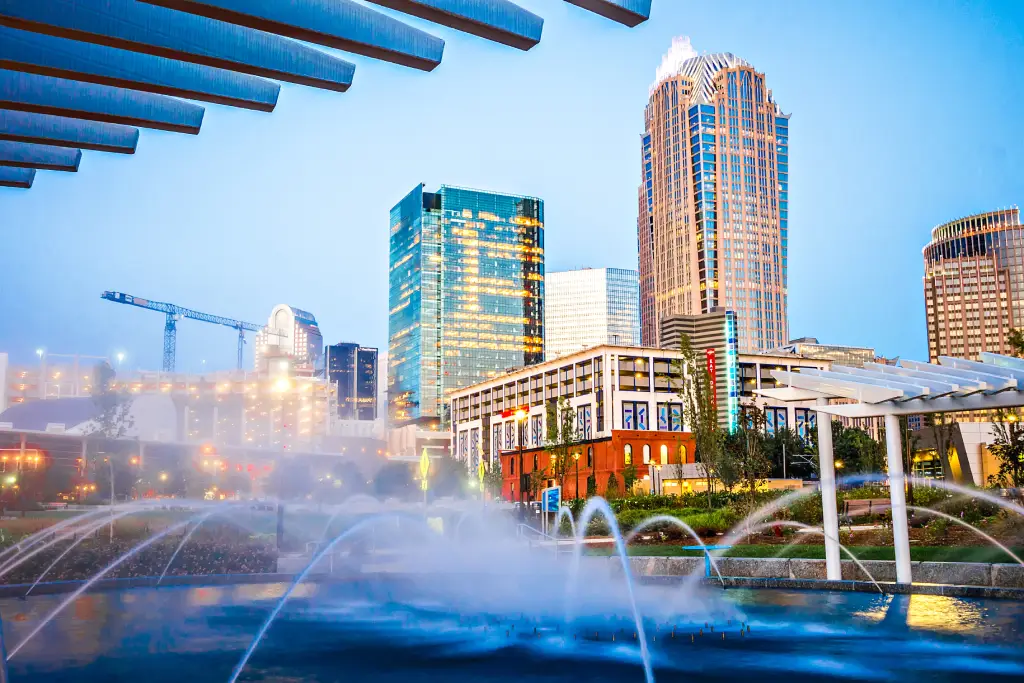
{"x": 120, "y": 359}
{"x": 576, "y": 457}
{"x": 520, "y": 420}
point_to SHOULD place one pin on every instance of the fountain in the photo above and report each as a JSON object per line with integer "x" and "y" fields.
{"x": 467, "y": 606}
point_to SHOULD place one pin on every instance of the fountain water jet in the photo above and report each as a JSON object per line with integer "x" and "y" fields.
{"x": 973, "y": 528}
{"x": 564, "y": 511}
{"x": 188, "y": 535}
{"x": 84, "y": 587}
{"x": 682, "y": 525}
{"x": 594, "y": 506}
{"x": 358, "y": 526}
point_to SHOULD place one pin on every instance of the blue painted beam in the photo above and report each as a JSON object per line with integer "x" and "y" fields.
{"x": 18, "y": 126}
{"x": 44, "y": 157}
{"x": 497, "y": 20}
{"x": 628, "y": 12}
{"x": 63, "y": 58}
{"x": 62, "y": 97}
{"x": 17, "y": 177}
{"x": 340, "y": 24}
{"x": 138, "y": 27}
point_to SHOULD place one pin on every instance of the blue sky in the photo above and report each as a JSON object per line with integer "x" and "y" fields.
{"x": 904, "y": 115}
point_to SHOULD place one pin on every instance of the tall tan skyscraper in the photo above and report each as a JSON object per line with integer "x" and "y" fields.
{"x": 714, "y": 197}
{"x": 974, "y": 284}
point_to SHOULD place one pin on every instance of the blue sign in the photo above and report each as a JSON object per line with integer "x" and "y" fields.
{"x": 551, "y": 499}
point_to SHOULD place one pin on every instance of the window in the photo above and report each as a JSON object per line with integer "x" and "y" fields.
{"x": 647, "y": 454}
{"x": 628, "y": 455}
{"x": 536, "y": 429}
{"x": 634, "y": 415}
{"x": 583, "y": 423}
{"x": 670, "y": 417}
{"x": 512, "y": 465}
{"x": 496, "y": 439}
{"x": 806, "y": 421}
{"x": 536, "y": 462}
{"x": 664, "y": 454}
{"x": 590, "y": 456}
{"x": 681, "y": 452}
{"x": 510, "y": 435}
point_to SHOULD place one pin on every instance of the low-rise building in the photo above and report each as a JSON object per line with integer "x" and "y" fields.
{"x": 627, "y": 412}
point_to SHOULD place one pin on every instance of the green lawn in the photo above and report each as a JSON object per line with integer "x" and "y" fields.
{"x": 924, "y": 553}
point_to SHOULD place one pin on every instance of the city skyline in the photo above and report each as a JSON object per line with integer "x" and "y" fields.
{"x": 230, "y": 212}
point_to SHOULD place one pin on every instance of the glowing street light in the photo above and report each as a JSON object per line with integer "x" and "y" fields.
{"x": 424, "y": 473}
{"x": 163, "y": 476}
{"x": 120, "y": 358}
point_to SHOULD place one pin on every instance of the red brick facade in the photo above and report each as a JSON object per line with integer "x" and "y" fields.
{"x": 606, "y": 456}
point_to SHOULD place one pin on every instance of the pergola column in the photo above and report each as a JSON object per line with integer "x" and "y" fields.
{"x": 829, "y": 511}
{"x": 898, "y": 495}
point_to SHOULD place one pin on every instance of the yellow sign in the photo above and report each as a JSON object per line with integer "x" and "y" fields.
{"x": 424, "y": 464}
{"x": 481, "y": 471}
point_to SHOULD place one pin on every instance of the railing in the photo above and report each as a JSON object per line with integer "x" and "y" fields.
{"x": 534, "y": 536}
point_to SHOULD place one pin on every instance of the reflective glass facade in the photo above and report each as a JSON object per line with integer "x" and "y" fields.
{"x": 974, "y": 284}
{"x": 353, "y": 369}
{"x": 466, "y": 291}
{"x": 590, "y": 307}
{"x": 713, "y": 219}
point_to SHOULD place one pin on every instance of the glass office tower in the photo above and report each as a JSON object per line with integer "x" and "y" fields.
{"x": 466, "y": 292}
{"x": 353, "y": 369}
{"x": 714, "y": 197}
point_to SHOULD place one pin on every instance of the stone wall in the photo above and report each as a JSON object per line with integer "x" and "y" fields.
{"x": 952, "y": 573}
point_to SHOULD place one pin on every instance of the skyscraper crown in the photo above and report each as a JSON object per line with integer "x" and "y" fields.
{"x": 682, "y": 60}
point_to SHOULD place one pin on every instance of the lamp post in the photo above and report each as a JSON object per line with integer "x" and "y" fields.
{"x": 424, "y": 472}
{"x": 576, "y": 457}
{"x": 520, "y": 419}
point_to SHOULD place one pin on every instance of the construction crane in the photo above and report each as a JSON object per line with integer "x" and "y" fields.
{"x": 174, "y": 314}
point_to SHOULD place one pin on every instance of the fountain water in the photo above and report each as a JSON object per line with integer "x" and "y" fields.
{"x": 564, "y": 513}
{"x": 85, "y": 586}
{"x": 957, "y": 520}
{"x": 351, "y": 531}
{"x": 600, "y": 506}
{"x": 220, "y": 508}
{"x": 660, "y": 519}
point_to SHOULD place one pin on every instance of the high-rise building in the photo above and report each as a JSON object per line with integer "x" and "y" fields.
{"x": 714, "y": 335}
{"x": 590, "y": 307}
{"x": 713, "y": 200}
{"x": 353, "y": 369}
{"x": 466, "y": 292}
{"x": 974, "y": 284}
{"x": 291, "y": 334}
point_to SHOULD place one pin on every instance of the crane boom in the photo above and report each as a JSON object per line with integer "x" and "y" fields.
{"x": 175, "y": 313}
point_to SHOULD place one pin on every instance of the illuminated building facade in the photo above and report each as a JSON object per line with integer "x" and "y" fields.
{"x": 54, "y": 376}
{"x": 353, "y": 370}
{"x": 466, "y": 291}
{"x": 589, "y": 307}
{"x": 293, "y": 334}
{"x": 974, "y": 284}
{"x": 713, "y": 199}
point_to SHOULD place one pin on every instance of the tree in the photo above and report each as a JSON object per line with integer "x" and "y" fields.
{"x": 1016, "y": 341}
{"x": 856, "y": 451}
{"x": 1008, "y": 447}
{"x": 591, "y": 486}
{"x": 941, "y": 428}
{"x": 561, "y": 437}
{"x": 629, "y": 478}
{"x": 751, "y": 462}
{"x": 697, "y": 391}
{"x": 493, "y": 478}
{"x": 784, "y": 444}
{"x": 448, "y": 477}
{"x": 612, "y": 490}
{"x": 114, "y": 418}
{"x": 537, "y": 479}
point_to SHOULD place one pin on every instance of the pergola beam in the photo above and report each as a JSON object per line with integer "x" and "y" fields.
{"x": 63, "y": 58}
{"x": 20, "y": 178}
{"x": 61, "y": 97}
{"x": 341, "y": 24}
{"x": 42, "y": 129}
{"x": 43, "y": 157}
{"x": 626, "y": 12}
{"x": 498, "y": 20}
{"x": 138, "y": 27}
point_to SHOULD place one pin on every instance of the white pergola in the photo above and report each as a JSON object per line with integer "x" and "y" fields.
{"x": 910, "y": 388}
